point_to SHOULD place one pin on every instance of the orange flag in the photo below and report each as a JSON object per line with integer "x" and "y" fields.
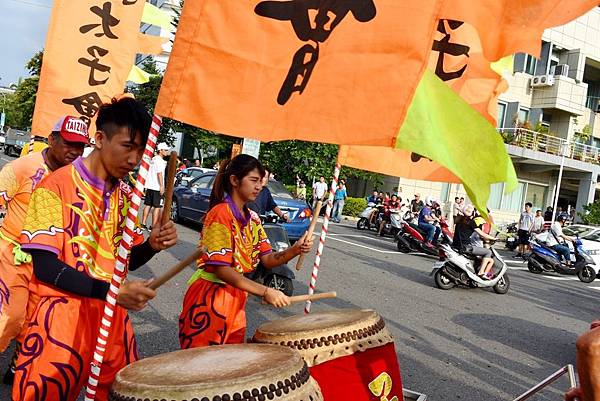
{"x": 90, "y": 49}
{"x": 397, "y": 163}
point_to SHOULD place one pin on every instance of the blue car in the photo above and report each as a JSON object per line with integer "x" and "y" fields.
{"x": 190, "y": 202}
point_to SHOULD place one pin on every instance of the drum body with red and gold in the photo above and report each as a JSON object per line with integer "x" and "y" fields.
{"x": 241, "y": 372}
{"x": 350, "y": 352}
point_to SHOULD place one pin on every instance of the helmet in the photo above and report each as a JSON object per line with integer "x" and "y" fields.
{"x": 430, "y": 200}
{"x": 561, "y": 217}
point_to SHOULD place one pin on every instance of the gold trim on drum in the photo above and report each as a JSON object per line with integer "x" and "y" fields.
{"x": 321, "y": 337}
{"x": 242, "y": 372}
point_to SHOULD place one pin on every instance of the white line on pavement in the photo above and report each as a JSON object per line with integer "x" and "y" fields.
{"x": 562, "y": 278}
{"x": 594, "y": 288}
{"x": 362, "y": 246}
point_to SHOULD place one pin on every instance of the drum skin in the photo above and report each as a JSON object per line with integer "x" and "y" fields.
{"x": 240, "y": 372}
{"x": 350, "y": 352}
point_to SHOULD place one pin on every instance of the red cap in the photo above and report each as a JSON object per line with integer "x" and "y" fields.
{"x": 72, "y": 129}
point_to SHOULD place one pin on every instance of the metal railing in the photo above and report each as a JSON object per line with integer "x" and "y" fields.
{"x": 568, "y": 370}
{"x": 545, "y": 143}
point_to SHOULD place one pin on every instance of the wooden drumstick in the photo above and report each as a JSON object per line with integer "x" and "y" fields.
{"x": 310, "y": 231}
{"x": 178, "y": 268}
{"x": 313, "y": 297}
{"x": 170, "y": 180}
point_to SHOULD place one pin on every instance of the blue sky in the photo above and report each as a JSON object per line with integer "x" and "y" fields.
{"x": 23, "y": 26}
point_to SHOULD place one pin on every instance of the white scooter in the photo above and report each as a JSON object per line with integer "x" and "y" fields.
{"x": 454, "y": 268}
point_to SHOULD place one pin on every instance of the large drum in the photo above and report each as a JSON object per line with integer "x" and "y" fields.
{"x": 241, "y": 372}
{"x": 350, "y": 352}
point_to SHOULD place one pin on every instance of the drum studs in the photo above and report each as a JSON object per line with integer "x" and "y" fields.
{"x": 255, "y": 392}
{"x": 237, "y": 397}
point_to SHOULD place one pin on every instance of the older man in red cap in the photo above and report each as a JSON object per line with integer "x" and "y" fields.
{"x": 18, "y": 179}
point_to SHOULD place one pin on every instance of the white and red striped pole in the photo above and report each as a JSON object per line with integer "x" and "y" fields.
{"x": 315, "y": 272}
{"x": 120, "y": 272}
{"x": 31, "y": 142}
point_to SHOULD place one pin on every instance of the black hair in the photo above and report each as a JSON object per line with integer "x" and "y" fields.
{"x": 240, "y": 166}
{"x": 125, "y": 112}
{"x": 529, "y": 204}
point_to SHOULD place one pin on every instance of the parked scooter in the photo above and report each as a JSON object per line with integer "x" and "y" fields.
{"x": 545, "y": 259}
{"x": 280, "y": 277}
{"x": 511, "y": 237}
{"x": 455, "y": 268}
{"x": 412, "y": 239}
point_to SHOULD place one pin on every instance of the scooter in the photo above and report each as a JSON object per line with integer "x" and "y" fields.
{"x": 545, "y": 259}
{"x": 280, "y": 277}
{"x": 412, "y": 239}
{"x": 395, "y": 224}
{"x": 456, "y": 268}
{"x": 369, "y": 217}
{"x": 511, "y": 237}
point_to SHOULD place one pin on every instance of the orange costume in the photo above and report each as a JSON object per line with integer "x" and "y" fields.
{"x": 213, "y": 311}
{"x": 18, "y": 179}
{"x": 74, "y": 215}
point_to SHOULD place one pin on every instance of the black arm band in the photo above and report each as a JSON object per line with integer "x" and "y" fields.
{"x": 50, "y": 270}
{"x": 140, "y": 255}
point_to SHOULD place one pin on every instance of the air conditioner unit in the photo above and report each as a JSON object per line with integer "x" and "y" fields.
{"x": 562, "y": 70}
{"x": 542, "y": 80}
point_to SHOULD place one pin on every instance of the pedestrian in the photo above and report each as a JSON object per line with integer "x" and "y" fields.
{"x": 234, "y": 242}
{"x": 155, "y": 185}
{"x": 301, "y": 190}
{"x": 319, "y": 191}
{"x": 373, "y": 197}
{"x": 265, "y": 203}
{"x": 572, "y": 214}
{"x": 197, "y": 163}
{"x": 538, "y": 223}
{"x": 187, "y": 163}
{"x": 548, "y": 214}
{"x": 524, "y": 228}
{"x": 18, "y": 179}
{"x": 455, "y": 209}
{"x": 339, "y": 200}
{"x": 416, "y": 204}
{"x": 75, "y": 219}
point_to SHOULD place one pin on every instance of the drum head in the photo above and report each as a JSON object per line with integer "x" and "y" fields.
{"x": 324, "y": 336}
{"x": 218, "y": 373}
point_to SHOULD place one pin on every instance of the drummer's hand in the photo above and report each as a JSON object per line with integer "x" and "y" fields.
{"x": 163, "y": 236}
{"x": 574, "y": 394}
{"x": 276, "y": 298}
{"x": 134, "y": 295}
{"x": 304, "y": 244}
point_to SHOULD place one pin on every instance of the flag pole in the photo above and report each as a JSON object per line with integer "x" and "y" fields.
{"x": 316, "y": 266}
{"x": 120, "y": 271}
{"x": 31, "y": 142}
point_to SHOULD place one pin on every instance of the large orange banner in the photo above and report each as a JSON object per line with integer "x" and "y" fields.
{"x": 90, "y": 48}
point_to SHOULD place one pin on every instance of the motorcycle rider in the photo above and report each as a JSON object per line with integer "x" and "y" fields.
{"x": 427, "y": 217}
{"x": 557, "y": 239}
{"x": 373, "y": 198}
{"x": 464, "y": 242}
{"x": 394, "y": 203}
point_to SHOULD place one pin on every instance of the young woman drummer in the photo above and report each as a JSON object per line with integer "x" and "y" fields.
{"x": 234, "y": 242}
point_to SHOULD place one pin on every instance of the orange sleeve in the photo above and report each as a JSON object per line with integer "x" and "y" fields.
{"x": 217, "y": 237}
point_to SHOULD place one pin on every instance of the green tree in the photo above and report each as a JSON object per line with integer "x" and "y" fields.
{"x": 19, "y": 106}
{"x": 591, "y": 214}
{"x": 308, "y": 160}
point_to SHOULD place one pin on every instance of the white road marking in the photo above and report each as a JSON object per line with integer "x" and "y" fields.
{"x": 594, "y": 288}
{"x": 568, "y": 278}
{"x": 362, "y": 246}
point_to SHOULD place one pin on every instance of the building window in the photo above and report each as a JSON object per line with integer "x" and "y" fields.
{"x": 513, "y": 201}
{"x": 501, "y": 115}
{"x": 530, "y": 64}
{"x": 495, "y": 200}
{"x": 536, "y": 194}
{"x": 523, "y": 115}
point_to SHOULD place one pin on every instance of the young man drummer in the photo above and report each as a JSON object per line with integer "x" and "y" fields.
{"x": 72, "y": 230}
{"x": 18, "y": 179}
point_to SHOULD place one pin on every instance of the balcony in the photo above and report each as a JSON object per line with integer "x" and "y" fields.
{"x": 550, "y": 144}
{"x": 564, "y": 94}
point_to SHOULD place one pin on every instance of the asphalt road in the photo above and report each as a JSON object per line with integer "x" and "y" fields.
{"x": 461, "y": 344}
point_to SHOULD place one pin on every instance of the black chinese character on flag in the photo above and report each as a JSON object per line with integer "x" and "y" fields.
{"x": 444, "y": 46}
{"x": 95, "y": 65}
{"x": 108, "y": 21}
{"x": 87, "y": 105}
{"x": 314, "y": 21}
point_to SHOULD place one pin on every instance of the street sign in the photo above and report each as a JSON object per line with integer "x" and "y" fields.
{"x": 251, "y": 147}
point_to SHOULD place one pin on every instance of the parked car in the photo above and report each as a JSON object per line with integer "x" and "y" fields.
{"x": 190, "y": 202}
{"x": 580, "y": 230}
{"x": 190, "y": 173}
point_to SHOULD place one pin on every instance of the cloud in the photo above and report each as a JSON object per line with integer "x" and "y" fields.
{"x": 23, "y": 26}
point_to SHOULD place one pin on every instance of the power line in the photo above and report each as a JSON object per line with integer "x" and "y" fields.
{"x": 31, "y": 3}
